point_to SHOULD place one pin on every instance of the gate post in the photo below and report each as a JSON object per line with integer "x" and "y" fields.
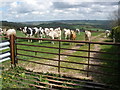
{"x": 12, "y": 50}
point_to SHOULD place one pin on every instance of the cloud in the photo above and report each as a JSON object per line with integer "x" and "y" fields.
{"x": 30, "y": 10}
{"x": 64, "y": 5}
{"x": 28, "y": 7}
{"x": 86, "y": 7}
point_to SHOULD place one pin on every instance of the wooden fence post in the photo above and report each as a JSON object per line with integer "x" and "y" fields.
{"x": 12, "y": 50}
{"x": 59, "y": 59}
{"x": 88, "y": 59}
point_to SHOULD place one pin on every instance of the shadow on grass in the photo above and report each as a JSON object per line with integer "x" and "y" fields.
{"x": 65, "y": 43}
{"x": 112, "y": 66}
{"x": 79, "y": 44}
{"x": 108, "y": 41}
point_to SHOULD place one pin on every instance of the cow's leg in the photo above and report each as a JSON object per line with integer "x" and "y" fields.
{"x": 89, "y": 38}
{"x": 65, "y": 36}
{"x": 85, "y": 37}
{"x": 31, "y": 37}
{"x": 52, "y": 41}
{"x": 60, "y": 37}
{"x": 68, "y": 37}
{"x": 28, "y": 36}
{"x": 40, "y": 40}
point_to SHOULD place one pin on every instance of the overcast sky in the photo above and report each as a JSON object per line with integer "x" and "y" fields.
{"x": 46, "y": 10}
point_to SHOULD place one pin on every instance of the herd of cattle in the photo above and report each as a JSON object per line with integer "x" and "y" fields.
{"x": 48, "y": 32}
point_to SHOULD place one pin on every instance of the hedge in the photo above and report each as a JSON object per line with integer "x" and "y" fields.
{"x": 116, "y": 33}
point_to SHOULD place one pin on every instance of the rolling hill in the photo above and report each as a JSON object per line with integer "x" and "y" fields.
{"x": 72, "y": 24}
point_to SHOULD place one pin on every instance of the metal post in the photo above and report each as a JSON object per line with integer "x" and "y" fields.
{"x": 12, "y": 49}
{"x": 59, "y": 58}
{"x": 88, "y": 59}
{"x": 16, "y": 61}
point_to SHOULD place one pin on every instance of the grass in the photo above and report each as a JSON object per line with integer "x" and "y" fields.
{"x": 46, "y": 43}
{"x": 113, "y": 80}
{"x": 75, "y": 59}
{"x": 9, "y": 76}
{"x": 79, "y": 60}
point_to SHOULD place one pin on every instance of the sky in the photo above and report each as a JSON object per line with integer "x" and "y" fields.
{"x": 48, "y": 10}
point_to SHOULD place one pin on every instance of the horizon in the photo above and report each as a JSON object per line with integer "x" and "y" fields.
{"x": 53, "y": 20}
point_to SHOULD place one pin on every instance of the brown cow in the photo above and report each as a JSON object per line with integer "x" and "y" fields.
{"x": 72, "y": 35}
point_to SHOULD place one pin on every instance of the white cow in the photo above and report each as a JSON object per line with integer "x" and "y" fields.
{"x": 41, "y": 33}
{"x": 67, "y": 33}
{"x": 4, "y": 31}
{"x": 31, "y": 32}
{"x": 7, "y": 32}
{"x": 10, "y": 32}
{"x": 78, "y": 31}
{"x": 51, "y": 29}
{"x": 87, "y": 35}
{"x": 58, "y": 30}
{"x": 107, "y": 33}
{"x": 46, "y": 31}
{"x": 53, "y": 33}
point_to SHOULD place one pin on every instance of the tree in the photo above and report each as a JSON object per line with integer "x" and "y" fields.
{"x": 115, "y": 16}
{"x": 116, "y": 33}
{"x": 116, "y": 24}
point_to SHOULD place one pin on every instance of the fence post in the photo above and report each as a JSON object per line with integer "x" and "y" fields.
{"x": 88, "y": 59}
{"x": 59, "y": 58}
{"x": 12, "y": 50}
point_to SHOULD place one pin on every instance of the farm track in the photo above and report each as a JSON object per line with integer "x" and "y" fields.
{"x": 96, "y": 62}
{"x": 45, "y": 69}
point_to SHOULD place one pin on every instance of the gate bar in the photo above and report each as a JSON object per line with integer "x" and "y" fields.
{"x": 88, "y": 59}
